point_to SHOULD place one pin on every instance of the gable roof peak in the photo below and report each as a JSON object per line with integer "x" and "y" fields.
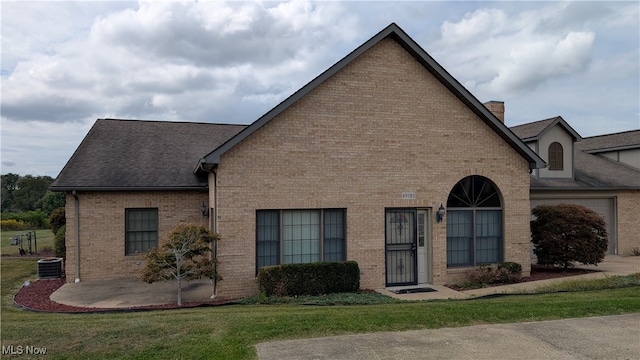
{"x": 535, "y": 130}
{"x": 408, "y": 44}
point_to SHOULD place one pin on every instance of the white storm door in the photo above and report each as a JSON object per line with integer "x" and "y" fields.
{"x": 424, "y": 246}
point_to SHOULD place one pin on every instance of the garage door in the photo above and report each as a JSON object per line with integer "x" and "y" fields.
{"x": 604, "y": 207}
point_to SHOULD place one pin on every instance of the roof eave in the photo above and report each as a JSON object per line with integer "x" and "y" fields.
{"x": 612, "y": 148}
{"x": 584, "y": 188}
{"x": 127, "y": 188}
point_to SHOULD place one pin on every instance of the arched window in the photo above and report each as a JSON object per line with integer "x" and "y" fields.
{"x": 474, "y": 223}
{"x": 555, "y": 156}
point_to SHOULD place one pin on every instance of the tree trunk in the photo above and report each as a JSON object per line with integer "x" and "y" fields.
{"x": 179, "y": 290}
{"x": 179, "y": 279}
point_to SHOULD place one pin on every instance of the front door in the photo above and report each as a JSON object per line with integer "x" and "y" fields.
{"x": 401, "y": 246}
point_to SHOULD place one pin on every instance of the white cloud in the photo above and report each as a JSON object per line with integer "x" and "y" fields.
{"x": 507, "y": 55}
{"x": 528, "y": 65}
{"x": 476, "y": 26}
{"x": 64, "y": 64}
{"x": 150, "y": 61}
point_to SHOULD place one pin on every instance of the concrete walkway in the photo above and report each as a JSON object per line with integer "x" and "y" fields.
{"x": 611, "y": 266}
{"x": 128, "y": 293}
{"x": 607, "y": 337}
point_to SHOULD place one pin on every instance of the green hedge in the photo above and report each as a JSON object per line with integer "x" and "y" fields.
{"x": 309, "y": 279}
{"x": 59, "y": 242}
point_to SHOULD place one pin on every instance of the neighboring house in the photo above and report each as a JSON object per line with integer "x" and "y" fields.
{"x": 354, "y": 166}
{"x": 600, "y": 172}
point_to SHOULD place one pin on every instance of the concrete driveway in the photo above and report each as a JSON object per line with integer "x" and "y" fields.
{"x": 608, "y": 337}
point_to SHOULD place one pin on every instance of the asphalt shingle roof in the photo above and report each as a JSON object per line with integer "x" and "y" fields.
{"x": 592, "y": 171}
{"x": 627, "y": 139}
{"x": 134, "y": 154}
{"x": 534, "y": 130}
{"x": 531, "y": 130}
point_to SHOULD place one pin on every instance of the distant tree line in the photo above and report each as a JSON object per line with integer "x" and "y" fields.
{"x": 21, "y": 194}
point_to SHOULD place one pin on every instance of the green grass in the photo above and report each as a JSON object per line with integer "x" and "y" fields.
{"x": 230, "y": 332}
{"x": 44, "y": 239}
{"x": 608, "y": 282}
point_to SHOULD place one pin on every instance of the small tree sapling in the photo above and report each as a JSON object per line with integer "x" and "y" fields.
{"x": 186, "y": 255}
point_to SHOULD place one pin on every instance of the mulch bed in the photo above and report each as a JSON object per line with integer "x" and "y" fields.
{"x": 539, "y": 272}
{"x": 36, "y": 297}
{"x": 544, "y": 272}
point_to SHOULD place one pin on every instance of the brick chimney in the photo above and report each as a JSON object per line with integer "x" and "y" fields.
{"x": 497, "y": 108}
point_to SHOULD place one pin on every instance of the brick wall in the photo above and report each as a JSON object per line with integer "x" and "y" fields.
{"x": 381, "y": 126}
{"x": 102, "y": 228}
{"x": 628, "y": 221}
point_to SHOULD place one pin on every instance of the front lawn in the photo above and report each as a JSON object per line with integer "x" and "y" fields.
{"x": 230, "y": 332}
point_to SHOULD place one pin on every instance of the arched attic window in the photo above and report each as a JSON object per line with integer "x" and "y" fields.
{"x": 556, "y": 156}
{"x": 474, "y": 223}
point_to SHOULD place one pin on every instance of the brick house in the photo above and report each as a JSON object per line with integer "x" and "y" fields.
{"x": 384, "y": 159}
{"x": 600, "y": 172}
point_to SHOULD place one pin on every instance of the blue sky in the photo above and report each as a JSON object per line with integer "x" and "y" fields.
{"x": 66, "y": 64}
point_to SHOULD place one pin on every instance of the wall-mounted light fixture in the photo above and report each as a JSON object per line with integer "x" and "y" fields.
{"x": 204, "y": 209}
{"x": 440, "y": 213}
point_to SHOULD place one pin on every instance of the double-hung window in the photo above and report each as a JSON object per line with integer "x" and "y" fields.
{"x": 141, "y": 230}
{"x": 299, "y": 236}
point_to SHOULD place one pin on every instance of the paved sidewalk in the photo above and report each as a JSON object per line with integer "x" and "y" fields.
{"x": 607, "y": 337}
{"x": 611, "y": 266}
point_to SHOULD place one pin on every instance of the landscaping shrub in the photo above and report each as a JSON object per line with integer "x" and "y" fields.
{"x": 309, "y": 279}
{"x": 565, "y": 233}
{"x": 33, "y": 219}
{"x": 500, "y": 273}
{"x": 59, "y": 247}
{"x": 12, "y": 224}
{"x": 514, "y": 269}
{"x": 57, "y": 219}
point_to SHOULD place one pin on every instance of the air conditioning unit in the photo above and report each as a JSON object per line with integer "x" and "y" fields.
{"x": 50, "y": 268}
